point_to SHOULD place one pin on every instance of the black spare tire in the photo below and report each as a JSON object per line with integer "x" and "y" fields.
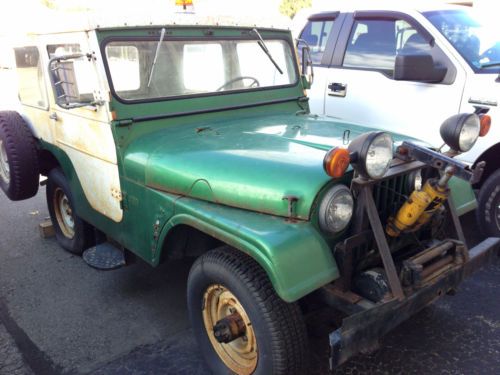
{"x": 19, "y": 170}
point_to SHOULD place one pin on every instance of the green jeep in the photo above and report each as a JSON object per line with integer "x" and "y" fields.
{"x": 177, "y": 140}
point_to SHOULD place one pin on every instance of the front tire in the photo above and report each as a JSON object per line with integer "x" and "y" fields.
{"x": 225, "y": 283}
{"x": 72, "y": 233}
{"x": 488, "y": 211}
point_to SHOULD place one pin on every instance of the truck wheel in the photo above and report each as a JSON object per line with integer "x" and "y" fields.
{"x": 19, "y": 173}
{"x": 241, "y": 324}
{"x": 72, "y": 233}
{"x": 488, "y": 211}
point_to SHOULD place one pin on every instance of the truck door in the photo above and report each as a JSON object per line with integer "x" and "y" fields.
{"x": 360, "y": 84}
{"x": 320, "y": 34}
{"x": 83, "y": 132}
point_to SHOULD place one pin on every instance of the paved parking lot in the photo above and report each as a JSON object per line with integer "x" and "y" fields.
{"x": 65, "y": 317}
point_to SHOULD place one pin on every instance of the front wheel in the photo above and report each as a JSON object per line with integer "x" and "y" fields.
{"x": 72, "y": 233}
{"x": 488, "y": 211}
{"x": 241, "y": 324}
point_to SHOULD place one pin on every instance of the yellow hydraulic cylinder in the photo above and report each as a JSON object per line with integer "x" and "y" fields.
{"x": 418, "y": 209}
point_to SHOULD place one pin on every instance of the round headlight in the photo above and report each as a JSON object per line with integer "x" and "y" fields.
{"x": 371, "y": 154}
{"x": 335, "y": 211}
{"x": 460, "y": 132}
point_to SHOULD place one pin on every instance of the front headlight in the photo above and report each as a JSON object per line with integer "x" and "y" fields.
{"x": 371, "y": 154}
{"x": 460, "y": 132}
{"x": 335, "y": 211}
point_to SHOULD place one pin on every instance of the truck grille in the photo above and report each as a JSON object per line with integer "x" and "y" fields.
{"x": 389, "y": 195}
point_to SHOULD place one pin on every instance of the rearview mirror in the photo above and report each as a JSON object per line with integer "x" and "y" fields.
{"x": 63, "y": 77}
{"x": 307, "y": 64}
{"x": 418, "y": 68}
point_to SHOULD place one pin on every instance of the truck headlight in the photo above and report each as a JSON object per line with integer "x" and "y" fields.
{"x": 335, "y": 211}
{"x": 460, "y": 132}
{"x": 371, "y": 154}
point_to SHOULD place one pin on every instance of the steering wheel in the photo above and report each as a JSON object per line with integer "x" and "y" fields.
{"x": 255, "y": 82}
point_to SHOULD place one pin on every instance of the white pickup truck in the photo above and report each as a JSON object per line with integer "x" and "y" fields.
{"x": 406, "y": 69}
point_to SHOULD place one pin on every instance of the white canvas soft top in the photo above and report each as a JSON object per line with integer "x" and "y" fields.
{"x": 59, "y": 22}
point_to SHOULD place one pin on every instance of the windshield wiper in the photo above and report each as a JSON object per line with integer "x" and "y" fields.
{"x": 262, "y": 45}
{"x": 162, "y": 35}
{"x": 490, "y": 65}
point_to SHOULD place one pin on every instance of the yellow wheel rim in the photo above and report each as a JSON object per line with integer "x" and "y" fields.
{"x": 239, "y": 355}
{"x": 64, "y": 213}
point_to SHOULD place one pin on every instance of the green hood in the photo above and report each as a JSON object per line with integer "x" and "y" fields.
{"x": 250, "y": 163}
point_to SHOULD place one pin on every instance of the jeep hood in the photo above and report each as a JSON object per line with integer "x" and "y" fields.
{"x": 251, "y": 163}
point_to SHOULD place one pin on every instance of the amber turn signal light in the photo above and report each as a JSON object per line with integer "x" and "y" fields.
{"x": 336, "y": 162}
{"x": 485, "y": 124}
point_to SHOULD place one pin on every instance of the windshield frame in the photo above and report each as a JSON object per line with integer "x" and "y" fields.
{"x": 478, "y": 70}
{"x": 154, "y": 38}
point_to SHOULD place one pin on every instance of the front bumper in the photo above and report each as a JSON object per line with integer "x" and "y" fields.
{"x": 361, "y": 331}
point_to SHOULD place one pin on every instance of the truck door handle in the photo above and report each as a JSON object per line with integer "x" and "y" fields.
{"x": 53, "y": 116}
{"x": 337, "y": 89}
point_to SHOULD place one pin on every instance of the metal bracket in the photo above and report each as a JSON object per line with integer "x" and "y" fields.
{"x": 409, "y": 151}
{"x": 292, "y": 199}
{"x": 383, "y": 247}
{"x": 456, "y": 220}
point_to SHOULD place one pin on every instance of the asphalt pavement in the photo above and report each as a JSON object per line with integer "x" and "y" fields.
{"x": 59, "y": 316}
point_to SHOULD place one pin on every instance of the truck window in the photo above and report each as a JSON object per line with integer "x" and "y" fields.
{"x": 124, "y": 65}
{"x": 316, "y": 35}
{"x": 374, "y": 45}
{"x": 30, "y": 77}
{"x": 76, "y": 77}
{"x": 196, "y": 79}
{"x": 197, "y": 67}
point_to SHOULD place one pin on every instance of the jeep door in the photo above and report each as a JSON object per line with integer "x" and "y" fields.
{"x": 360, "y": 87}
{"x": 84, "y": 132}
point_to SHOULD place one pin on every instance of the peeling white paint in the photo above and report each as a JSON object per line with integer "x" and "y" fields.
{"x": 84, "y": 134}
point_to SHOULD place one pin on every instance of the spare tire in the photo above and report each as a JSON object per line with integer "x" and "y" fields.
{"x": 19, "y": 170}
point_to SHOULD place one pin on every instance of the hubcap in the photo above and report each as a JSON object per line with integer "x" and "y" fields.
{"x": 4, "y": 163}
{"x": 64, "y": 213}
{"x": 240, "y": 354}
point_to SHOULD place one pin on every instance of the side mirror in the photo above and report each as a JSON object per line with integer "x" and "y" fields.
{"x": 418, "y": 68}
{"x": 65, "y": 85}
{"x": 307, "y": 74}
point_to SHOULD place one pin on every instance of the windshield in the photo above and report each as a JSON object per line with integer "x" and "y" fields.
{"x": 478, "y": 43}
{"x": 153, "y": 69}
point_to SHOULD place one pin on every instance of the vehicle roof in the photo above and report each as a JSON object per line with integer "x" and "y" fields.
{"x": 86, "y": 21}
{"x": 389, "y": 5}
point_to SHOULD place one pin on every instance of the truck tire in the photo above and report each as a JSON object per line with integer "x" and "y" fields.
{"x": 488, "y": 210}
{"x": 19, "y": 171}
{"x": 72, "y": 233}
{"x": 226, "y": 286}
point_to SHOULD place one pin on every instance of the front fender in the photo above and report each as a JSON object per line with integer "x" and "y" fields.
{"x": 294, "y": 254}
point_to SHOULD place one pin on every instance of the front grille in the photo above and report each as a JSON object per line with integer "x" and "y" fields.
{"x": 389, "y": 195}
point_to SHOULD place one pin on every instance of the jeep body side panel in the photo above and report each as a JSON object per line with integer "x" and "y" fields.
{"x": 294, "y": 254}
{"x": 83, "y": 134}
